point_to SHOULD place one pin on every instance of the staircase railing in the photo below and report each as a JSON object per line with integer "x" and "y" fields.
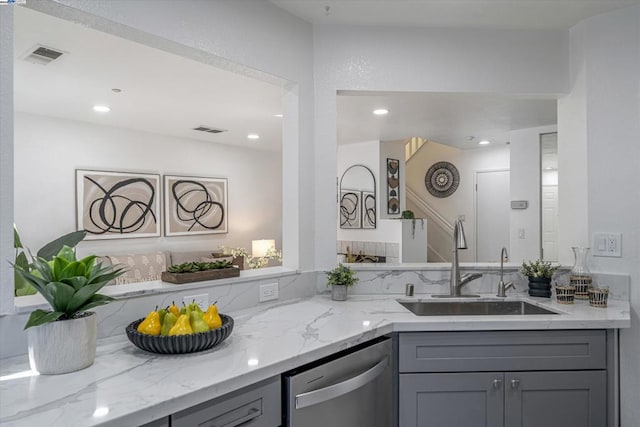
{"x": 434, "y": 215}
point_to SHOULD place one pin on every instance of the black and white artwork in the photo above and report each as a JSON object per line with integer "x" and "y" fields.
{"x": 368, "y": 209}
{"x": 116, "y": 205}
{"x": 350, "y": 209}
{"x": 195, "y": 205}
{"x": 442, "y": 179}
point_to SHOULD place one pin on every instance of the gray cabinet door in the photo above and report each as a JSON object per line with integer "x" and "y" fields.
{"x": 555, "y": 399}
{"x": 467, "y": 399}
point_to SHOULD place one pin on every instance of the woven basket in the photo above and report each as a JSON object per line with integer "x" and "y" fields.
{"x": 565, "y": 294}
{"x": 598, "y": 297}
{"x": 582, "y": 285}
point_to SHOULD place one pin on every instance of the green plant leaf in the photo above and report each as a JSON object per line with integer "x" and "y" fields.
{"x": 52, "y": 248}
{"x": 76, "y": 282}
{"x": 88, "y": 262}
{"x": 44, "y": 268}
{"x": 83, "y": 295}
{"x": 75, "y": 268}
{"x": 62, "y": 294}
{"x": 40, "y": 317}
{"x": 17, "y": 243}
{"x": 95, "y": 301}
{"x": 25, "y": 289}
{"x": 37, "y": 282}
{"x": 67, "y": 253}
{"x": 59, "y": 265}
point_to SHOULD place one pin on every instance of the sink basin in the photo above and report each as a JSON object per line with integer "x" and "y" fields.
{"x": 474, "y": 308}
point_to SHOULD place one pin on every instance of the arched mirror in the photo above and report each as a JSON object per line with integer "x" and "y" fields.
{"x": 358, "y": 198}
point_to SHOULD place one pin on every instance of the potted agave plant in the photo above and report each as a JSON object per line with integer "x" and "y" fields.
{"x": 63, "y": 339}
{"x": 340, "y": 279}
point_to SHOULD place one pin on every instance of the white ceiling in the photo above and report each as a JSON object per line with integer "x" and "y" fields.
{"x": 447, "y": 118}
{"x": 161, "y": 92}
{"x": 489, "y": 14}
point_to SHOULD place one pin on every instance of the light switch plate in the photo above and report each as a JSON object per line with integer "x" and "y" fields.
{"x": 607, "y": 244}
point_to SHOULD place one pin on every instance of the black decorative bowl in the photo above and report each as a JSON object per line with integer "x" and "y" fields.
{"x": 179, "y": 344}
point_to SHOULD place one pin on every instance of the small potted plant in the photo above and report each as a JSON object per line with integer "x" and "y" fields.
{"x": 539, "y": 274}
{"x": 340, "y": 279}
{"x": 63, "y": 339}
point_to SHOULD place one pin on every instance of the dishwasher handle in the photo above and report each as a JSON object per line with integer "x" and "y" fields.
{"x": 331, "y": 392}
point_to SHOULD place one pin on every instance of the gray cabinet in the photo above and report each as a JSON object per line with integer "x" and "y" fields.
{"x": 256, "y": 406}
{"x": 510, "y": 379}
{"x": 451, "y": 400}
{"x": 555, "y": 399}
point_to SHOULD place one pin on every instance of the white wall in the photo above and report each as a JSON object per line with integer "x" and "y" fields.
{"x": 6, "y": 158}
{"x": 462, "y": 202}
{"x": 525, "y": 185}
{"x": 254, "y": 181}
{"x": 606, "y": 78}
{"x": 412, "y": 59}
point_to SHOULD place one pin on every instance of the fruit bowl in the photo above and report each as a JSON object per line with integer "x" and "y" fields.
{"x": 179, "y": 344}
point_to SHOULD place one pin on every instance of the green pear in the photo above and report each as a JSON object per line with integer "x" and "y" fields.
{"x": 169, "y": 320}
{"x": 197, "y": 322}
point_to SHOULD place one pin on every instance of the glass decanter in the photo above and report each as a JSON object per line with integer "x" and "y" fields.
{"x": 580, "y": 276}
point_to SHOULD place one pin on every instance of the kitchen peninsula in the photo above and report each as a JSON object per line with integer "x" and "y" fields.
{"x": 127, "y": 386}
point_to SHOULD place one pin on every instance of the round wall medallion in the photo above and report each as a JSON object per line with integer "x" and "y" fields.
{"x": 442, "y": 179}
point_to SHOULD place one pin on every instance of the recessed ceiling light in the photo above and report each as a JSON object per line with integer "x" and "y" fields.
{"x": 101, "y": 109}
{"x": 484, "y": 142}
{"x": 548, "y": 168}
{"x": 380, "y": 111}
{"x": 253, "y": 136}
{"x": 116, "y": 90}
{"x": 278, "y": 115}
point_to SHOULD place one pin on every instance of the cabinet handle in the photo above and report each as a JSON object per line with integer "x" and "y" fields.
{"x": 497, "y": 384}
{"x": 515, "y": 384}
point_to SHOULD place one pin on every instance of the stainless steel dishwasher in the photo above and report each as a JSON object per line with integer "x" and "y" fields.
{"x": 353, "y": 390}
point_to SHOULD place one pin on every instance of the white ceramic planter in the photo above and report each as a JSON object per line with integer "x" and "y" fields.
{"x": 63, "y": 346}
{"x": 339, "y": 292}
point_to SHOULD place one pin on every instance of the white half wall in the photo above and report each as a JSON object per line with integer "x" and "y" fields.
{"x": 45, "y": 189}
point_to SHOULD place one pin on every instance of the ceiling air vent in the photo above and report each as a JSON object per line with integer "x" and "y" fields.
{"x": 209, "y": 129}
{"x": 43, "y": 55}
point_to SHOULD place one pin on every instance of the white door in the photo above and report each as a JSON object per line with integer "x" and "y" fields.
{"x": 492, "y": 214}
{"x": 550, "y": 222}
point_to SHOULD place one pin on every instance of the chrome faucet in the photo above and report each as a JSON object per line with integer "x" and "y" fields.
{"x": 457, "y": 282}
{"x": 502, "y": 287}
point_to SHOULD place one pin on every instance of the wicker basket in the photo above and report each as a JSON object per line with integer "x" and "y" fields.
{"x": 565, "y": 294}
{"x": 598, "y": 297}
{"x": 582, "y": 285}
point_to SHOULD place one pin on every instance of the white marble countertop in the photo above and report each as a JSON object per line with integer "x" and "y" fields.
{"x": 127, "y": 386}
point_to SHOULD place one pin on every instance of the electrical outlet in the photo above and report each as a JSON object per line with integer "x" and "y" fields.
{"x": 202, "y": 300}
{"x": 268, "y": 292}
{"x": 607, "y": 244}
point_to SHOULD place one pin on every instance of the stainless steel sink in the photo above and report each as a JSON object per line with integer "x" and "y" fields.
{"x": 473, "y": 308}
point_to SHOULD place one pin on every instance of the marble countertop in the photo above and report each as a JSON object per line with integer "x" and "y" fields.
{"x": 127, "y": 386}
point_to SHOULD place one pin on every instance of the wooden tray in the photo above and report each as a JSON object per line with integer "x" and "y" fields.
{"x": 198, "y": 276}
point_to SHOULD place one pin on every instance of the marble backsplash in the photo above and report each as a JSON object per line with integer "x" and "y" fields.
{"x": 387, "y": 280}
{"x": 114, "y": 317}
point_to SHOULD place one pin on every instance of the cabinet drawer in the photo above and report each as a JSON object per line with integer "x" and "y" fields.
{"x": 501, "y": 351}
{"x": 255, "y": 406}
